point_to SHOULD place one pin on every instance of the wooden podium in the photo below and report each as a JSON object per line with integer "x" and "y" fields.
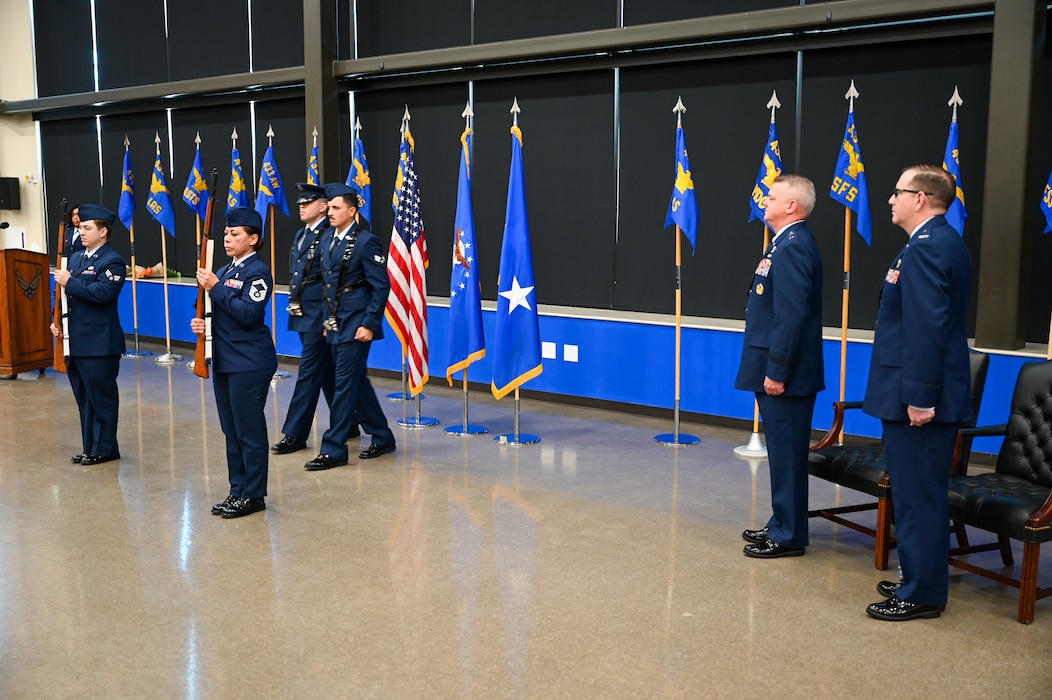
{"x": 26, "y": 342}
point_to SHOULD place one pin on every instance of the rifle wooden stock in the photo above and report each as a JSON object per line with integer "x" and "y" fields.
{"x": 203, "y": 351}
{"x": 61, "y": 319}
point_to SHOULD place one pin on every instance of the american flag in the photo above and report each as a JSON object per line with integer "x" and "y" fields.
{"x": 407, "y": 302}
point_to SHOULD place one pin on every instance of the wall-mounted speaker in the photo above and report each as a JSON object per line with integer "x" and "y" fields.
{"x": 9, "y": 197}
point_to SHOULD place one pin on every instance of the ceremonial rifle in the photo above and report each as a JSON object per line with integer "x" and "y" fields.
{"x": 61, "y": 320}
{"x": 203, "y": 352}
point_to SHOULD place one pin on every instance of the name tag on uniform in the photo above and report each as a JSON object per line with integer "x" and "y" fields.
{"x": 764, "y": 267}
{"x": 234, "y": 284}
{"x": 892, "y": 277}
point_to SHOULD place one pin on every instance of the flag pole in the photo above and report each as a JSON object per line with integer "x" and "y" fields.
{"x": 466, "y": 429}
{"x": 279, "y": 373}
{"x": 404, "y": 395}
{"x": 136, "y": 353}
{"x": 852, "y": 93}
{"x": 674, "y": 439}
{"x": 197, "y": 236}
{"x": 168, "y": 358}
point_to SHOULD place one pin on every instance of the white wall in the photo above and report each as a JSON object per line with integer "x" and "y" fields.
{"x": 18, "y": 133}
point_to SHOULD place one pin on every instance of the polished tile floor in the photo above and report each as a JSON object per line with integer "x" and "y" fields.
{"x": 595, "y": 564}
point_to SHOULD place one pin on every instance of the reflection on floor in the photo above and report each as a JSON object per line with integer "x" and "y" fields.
{"x": 595, "y": 564}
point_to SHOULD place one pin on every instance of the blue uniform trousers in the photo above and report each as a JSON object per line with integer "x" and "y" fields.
{"x": 787, "y": 426}
{"x": 354, "y": 393}
{"x": 919, "y": 461}
{"x": 94, "y": 383}
{"x": 241, "y": 398}
{"x": 315, "y": 374}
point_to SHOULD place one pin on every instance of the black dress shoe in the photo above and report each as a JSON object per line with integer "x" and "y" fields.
{"x": 224, "y": 505}
{"x": 769, "y": 549}
{"x": 77, "y": 459}
{"x": 355, "y": 433}
{"x": 244, "y": 506}
{"x": 375, "y": 450}
{"x": 756, "y": 536}
{"x": 895, "y": 610}
{"x": 888, "y": 589}
{"x": 288, "y": 444}
{"x": 324, "y": 462}
{"x": 98, "y": 459}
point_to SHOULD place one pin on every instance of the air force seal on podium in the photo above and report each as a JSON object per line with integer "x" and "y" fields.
{"x": 258, "y": 291}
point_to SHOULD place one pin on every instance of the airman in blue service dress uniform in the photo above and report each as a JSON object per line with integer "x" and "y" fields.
{"x": 93, "y": 281}
{"x": 243, "y": 359}
{"x": 782, "y": 361}
{"x": 306, "y": 311}
{"x": 920, "y": 386}
{"x": 354, "y": 271}
{"x": 73, "y": 242}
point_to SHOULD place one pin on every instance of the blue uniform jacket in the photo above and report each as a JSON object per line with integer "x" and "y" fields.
{"x": 91, "y": 297}
{"x": 363, "y": 306}
{"x": 920, "y": 344}
{"x": 310, "y": 296}
{"x": 783, "y": 322}
{"x": 241, "y": 340}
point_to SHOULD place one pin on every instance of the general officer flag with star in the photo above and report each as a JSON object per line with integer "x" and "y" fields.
{"x": 683, "y": 207}
{"x": 517, "y": 341}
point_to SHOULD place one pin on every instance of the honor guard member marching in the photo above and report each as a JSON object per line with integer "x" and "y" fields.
{"x": 93, "y": 280}
{"x": 243, "y": 359}
{"x": 354, "y": 271}
{"x": 306, "y": 311}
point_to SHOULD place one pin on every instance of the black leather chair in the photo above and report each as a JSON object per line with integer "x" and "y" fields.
{"x": 863, "y": 468}
{"x": 1014, "y": 501}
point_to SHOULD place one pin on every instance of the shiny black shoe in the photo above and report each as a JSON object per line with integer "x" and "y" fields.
{"x": 769, "y": 549}
{"x": 287, "y": 445}
{"x": 895, "y": 610}
{"x": 224, "y": 505}
{"x": 375, "y": 450}
{"x": 244, "y": 506}
{"x": 324, "y": 462}
{"x": 888, "y": 589}
{"x": 77, "y": 459}
{"x": 755, "y": 536}
{"x": 98, "y": 459}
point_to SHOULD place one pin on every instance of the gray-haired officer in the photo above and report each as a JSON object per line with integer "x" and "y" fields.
{"x": 93, "y": 282}
{"x": 354, "y": 273}
{"x": 307, "y": 315}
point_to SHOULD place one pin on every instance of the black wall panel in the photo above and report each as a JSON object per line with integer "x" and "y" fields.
{"x": 902, "y": 119}
{"x": 436, "y": 126}
{"x": 496, "y": 20}
{"x": 416, "y": 25}
{"x": 725, "y": 126}
{"x": 286, "y": 117}
{"x": 132, "y": 45}
{"x": 207, "y": 38}
{"x": 568, "y": 155}
{"x": 71, "y": 168}
{"x": 1040, "y": 250}
{"x": 63, "y": 47}
{"x": 647, "y": 11}
{"x": 277, "y": 34}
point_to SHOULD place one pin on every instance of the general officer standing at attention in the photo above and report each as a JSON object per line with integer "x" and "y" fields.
{"x": 354, "y": 270}
{"x": 243, "y": 359}
{"x": 307, "y": 315}
{"x": 782, "y": 361}
{"x": 93, "y": 280}
{"x": 920, "y": 386}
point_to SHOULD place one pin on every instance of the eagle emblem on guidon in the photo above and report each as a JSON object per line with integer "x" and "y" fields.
{"x": 258, "y": 291}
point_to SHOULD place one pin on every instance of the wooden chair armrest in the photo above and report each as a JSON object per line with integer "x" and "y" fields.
{"x": 832, "y": 436}
{"x": 1042, "y": 517}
